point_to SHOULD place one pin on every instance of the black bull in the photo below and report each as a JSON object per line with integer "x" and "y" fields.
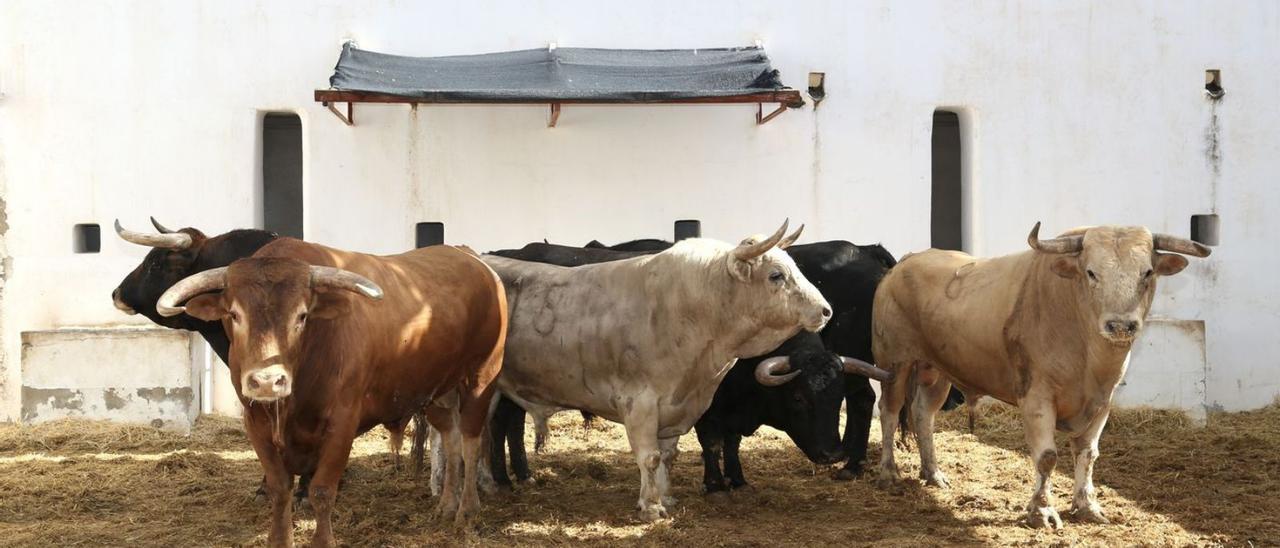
{"x": 806, "y": 408}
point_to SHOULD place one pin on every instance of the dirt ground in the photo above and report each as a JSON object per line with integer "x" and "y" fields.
{"x": 1163, "y": 482}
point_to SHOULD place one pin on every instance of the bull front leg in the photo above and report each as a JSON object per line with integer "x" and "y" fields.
{"x": 445, "y": 423}
{"x": 642, "y": 433}
{"x": 928, "y": 401}
{"x": 733, "y": 463}
{"x": 711, "y": 438}
{"x": 1039, "y": 419}
{"x": 860, "y": 400}
{"x": 669, "y": 450}
{"x": 1084, "y": 504}
{"x": 277, "y": 481}
{"x": 323, "y": 491}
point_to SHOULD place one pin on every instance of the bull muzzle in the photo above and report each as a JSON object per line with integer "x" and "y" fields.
{"x": 1121, "y": 330}
{"x": 119, "y": 303}
{"x": 268, "y": 384}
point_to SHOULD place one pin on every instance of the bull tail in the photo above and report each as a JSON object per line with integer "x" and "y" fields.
{"x": 588, "y": 420}
{"x": 905, "y": 432}
{"x": 417, "y": 452}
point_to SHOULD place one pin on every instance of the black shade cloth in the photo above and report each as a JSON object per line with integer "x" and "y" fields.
{"x": 571, "y": 74}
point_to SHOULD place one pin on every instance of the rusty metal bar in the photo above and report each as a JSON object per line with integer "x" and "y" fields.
{"x": 789, "y": 97}
{"x": 349, "y": 119}
{"x": 762, "y": 119}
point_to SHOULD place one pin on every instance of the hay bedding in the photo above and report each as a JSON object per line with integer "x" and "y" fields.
{"x": 1162, "y": 481}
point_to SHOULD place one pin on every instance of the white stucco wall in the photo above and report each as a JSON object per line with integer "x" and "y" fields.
{"x": 1072, "y": 113}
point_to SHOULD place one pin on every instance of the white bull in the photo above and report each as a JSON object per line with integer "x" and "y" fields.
{"x": 645, "y": 341}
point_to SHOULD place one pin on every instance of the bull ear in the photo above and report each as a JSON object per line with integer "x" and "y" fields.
{"x": 207, "y": 307}
{"x": 328, "y": 304}
{"x": 1066, "y": 267}
{"x": 1168, "y": 264}
{"x": 740, "y": 269}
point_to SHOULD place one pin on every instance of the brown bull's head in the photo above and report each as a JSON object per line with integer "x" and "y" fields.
{"x": 773, "y": 289}
{"x": 1116, "y": 267}
{"x": 265, "y": 304}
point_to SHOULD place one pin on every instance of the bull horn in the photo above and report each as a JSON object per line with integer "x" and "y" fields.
{"x": 328, "y": 276}
{"x": 1165, "y": 242}
{"x": 859, "y": 367}
{"x": 176, "y": 241}
{"x": 1065, "y": 244}
{"x": 195, "y": 284}
{"x": 767, "y": 373}
{"x": 786, "y": 242}
{"x": 750, "y": 250}
{"x": 160, "y": 227}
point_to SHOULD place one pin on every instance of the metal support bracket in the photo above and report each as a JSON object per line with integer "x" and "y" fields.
{"x": 555, "y": 115}
{"x": 762, "y": 118}
{"x": 349, "y": 119}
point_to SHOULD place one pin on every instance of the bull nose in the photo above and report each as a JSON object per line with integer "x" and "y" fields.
{"x": 1122, "y": 327}
{"x": 120, "y": 304}
{"x": 826, "y": 312}
{"x": 267, "y": 384}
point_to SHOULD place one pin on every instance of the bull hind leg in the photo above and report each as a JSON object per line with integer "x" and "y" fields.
{"x": 893, "y": 396}
{"x": 498, "y": 434}
{"x": 446, "y": 422}
{"x": 1039, "y": 418}
{"x": 1084, "y": 504}
{"x": 928, "y": 401}
{"x": 436, "y": 480}
{"x": 733, "y": 462}
{"x": 669, "y": 449}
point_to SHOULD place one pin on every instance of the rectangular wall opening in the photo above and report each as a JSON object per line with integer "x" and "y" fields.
{"x": 427, "y": 234}
{"x": 1204, "y": 228}
{"x": 688, "y": 228}
{"x": 86, "y": 238}
{"x": 282, "y": 174}
{"x": 945, "y": 218}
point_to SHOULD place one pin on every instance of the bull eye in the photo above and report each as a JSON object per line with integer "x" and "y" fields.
{"x": 235, "y": 317}
{"x": 1147, "y": 274}
{"x": 302, "y": 318}
{"x": 1092, "y": 276}
{"x": 776, "y": 276}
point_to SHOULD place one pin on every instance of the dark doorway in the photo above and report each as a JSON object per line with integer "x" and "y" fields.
{"x": 945, "y": 228}
{"x": 282, "y": 174}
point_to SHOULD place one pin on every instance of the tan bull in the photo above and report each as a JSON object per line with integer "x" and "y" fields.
{"x": 1047, "y": 330}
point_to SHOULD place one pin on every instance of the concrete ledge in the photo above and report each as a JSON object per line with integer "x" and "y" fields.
{"x": 127, "y": 374}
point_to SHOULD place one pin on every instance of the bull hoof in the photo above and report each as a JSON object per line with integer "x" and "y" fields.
{"x": 845, "y": 474}
{"x": 446, "y": 508}
{"x": 1045, "y": 517}
{"x": 668, "y": 501}
{"x": 937, "y": 479}
{"x": 887, "y": 482}
{"x": 653, "y": 513}
{"x": 1091, "y": 513}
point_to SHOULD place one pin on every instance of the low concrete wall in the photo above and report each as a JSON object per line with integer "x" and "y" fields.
{"x": 135, "y": 375}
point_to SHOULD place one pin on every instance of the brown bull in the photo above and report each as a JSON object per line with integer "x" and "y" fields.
{"x": 1047, "y": 330}
{"x": 326, "y": 344}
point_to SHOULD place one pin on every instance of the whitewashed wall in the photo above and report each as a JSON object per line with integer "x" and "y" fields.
{"x": 1072, "y": 113}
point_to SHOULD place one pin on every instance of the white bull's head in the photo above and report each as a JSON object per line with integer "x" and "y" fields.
{"x": 770, "y": 288}
{"x": 1116, "y": 268}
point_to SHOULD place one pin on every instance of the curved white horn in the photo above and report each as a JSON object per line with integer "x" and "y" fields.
{"x": 748, "y": 251}
{"x": 195, "y": 284}
{"x": 176, "y": 241}
{"x": 1166, "y": 242}
{"x": 786, "y": 242}
{"x": 767, "y": 373}
{"x": 344, "y": 279}
{"x": 859, "y": 367}
{"x": 160, "y": 227}
{"x": 1065, "y": 244}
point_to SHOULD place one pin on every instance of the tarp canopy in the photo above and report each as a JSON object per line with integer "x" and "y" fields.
{"x": 587, "y": 75}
